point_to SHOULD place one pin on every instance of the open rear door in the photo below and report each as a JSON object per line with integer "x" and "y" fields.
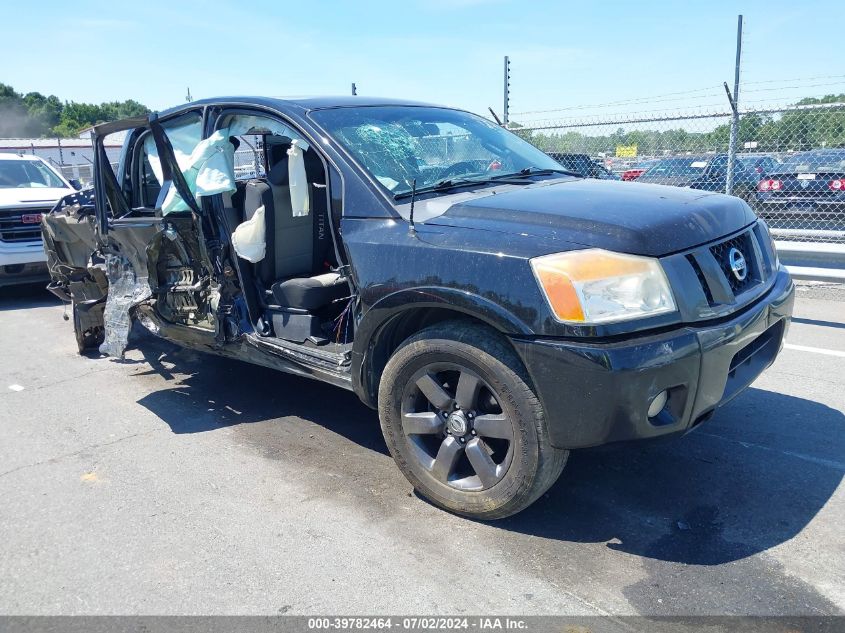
{"x": 150, "y": 244}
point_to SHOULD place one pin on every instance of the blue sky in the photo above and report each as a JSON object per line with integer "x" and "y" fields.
{"x": 564, "y": 54}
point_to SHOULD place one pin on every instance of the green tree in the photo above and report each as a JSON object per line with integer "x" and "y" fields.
{"x": 14, "y": 119}
{"x": 33, "y": 114}
{"x": 44, "y": 112}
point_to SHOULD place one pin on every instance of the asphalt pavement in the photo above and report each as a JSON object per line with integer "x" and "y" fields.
{"x": 179, "y": 483}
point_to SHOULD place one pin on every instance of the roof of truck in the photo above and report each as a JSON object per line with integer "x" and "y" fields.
{"x": 305, "y": 103}
{"x": 10, "y": 156}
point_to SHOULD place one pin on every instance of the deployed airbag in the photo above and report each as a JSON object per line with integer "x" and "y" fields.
{"x": 249, "y": 239}
{"x": 208, "y": 166}
{"x": 298, "y": 180}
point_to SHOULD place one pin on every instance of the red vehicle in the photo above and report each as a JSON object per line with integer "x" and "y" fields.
{"x": 639, "y": 170}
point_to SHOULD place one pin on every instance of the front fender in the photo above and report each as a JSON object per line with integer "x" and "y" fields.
{"x": 368, "y": 334}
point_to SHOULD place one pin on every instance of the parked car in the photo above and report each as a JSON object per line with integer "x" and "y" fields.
{"x": 635, "y": 172}
{"x": 714, "y": 177}
{"x": 583, "y": 165}
{"x": 806, "y": 184}
{"x": 496, "y": 310}
{"x": 760, "y": 163}
{"x": 29, "y": 187}
{"x": 676, "y": 171}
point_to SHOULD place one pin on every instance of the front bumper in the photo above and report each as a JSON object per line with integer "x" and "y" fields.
{"x": 595, "y": 393}
{"x": 21, "y": 252}
{"x": 18, "y": 274}
{"x": 22, "y": 263}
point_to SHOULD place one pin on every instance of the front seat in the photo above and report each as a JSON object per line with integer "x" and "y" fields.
{"x": 289, "y": 264}
{"x": 310, "y": 293}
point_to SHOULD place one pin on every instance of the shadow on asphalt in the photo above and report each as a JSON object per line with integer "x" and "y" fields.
{"x": 219, "y": 392}
{"x": 27, "y": 296}
{"x": 747, "y": 481}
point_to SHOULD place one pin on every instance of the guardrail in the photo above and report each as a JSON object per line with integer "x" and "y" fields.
{"x": 815, "y": 261}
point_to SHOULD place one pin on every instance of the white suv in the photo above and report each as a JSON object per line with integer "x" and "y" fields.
{"x": 29, "y": 187}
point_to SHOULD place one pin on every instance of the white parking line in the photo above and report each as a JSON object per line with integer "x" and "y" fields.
{"x": 815, "y": 350}
{"x": 821, "y": 461}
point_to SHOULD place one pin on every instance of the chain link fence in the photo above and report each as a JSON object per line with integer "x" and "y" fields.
{"x": 789, "y": 164}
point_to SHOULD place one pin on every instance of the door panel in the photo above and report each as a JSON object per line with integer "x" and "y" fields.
{"x": 146, "y": 255}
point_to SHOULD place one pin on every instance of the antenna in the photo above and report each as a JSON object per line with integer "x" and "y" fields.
{"x": 412, "y": 230}
{"x": 188, "y": 96}
{"x": 354, "y": 89}
{"x": 498, "y": 120}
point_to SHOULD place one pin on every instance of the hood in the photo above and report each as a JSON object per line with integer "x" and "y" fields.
{"x": 620, "y": 216}
{"x": 35, "y": 196}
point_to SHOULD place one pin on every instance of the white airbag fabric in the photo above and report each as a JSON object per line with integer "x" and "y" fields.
{"x": 207, "y": 166}
{"x": 298, "y": 181}
{"x": 241, "y": 125}
{"x": 249, "y": 238}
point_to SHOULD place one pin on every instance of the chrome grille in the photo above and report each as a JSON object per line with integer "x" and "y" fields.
{"x": 701, "y": 278}
{"x": 13, "y": 229}
{"x": 743, "y": 244}
{"x": 706, "y": 288}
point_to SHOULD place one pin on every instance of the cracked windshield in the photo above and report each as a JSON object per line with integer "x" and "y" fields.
{"x": 434, "y": 146}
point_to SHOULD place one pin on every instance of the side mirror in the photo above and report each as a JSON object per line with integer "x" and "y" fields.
{"x": 75, "y": 184}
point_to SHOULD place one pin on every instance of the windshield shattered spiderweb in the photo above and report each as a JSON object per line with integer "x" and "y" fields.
{"x": 390, "y": 151}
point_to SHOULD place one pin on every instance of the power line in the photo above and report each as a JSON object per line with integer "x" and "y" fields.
{"x": 623, "y": 102}
{"x": 611, "y": 118}
{"x": 770, "y": 81}
{"x": 779, "y": 88}
{"x": 692, "y": 94}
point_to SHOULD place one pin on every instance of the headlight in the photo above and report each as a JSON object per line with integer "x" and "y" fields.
{"x": 597, "y": 286}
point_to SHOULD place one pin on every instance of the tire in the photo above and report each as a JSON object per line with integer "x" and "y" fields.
{"x": 463, "y": 423}
{"x": 86, "y": 339}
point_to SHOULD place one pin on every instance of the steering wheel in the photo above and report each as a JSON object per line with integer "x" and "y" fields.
{"x": 464, "y": 167}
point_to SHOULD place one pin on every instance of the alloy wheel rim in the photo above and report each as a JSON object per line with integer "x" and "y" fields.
{"x": 456, "y": 428}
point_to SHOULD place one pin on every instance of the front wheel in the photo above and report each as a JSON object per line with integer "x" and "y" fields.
{"x": 463, "y": 423}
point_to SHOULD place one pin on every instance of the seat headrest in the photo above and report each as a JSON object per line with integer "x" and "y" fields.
{"x": 236, "y": 143}
{"x": 277, "y": 147}
{"x": 279, "y": 172}
{"x": 277, "y": 154}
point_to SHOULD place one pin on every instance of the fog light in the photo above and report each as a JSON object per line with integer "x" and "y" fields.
{"x": 657, "y": 404}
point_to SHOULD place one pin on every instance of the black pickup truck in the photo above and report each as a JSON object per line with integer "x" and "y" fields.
{"x": 496, "y": 310}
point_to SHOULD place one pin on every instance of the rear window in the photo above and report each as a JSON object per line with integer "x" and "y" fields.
{"x": 678, "y": 167}
{"x": 815, "y": 161}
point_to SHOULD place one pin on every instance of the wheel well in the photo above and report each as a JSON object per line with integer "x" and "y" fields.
{"x": 401, "y": 327}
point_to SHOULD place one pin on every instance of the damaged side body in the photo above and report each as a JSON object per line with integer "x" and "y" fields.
{"x": 108, "y": 259}
{"x": 148, "y": 244}
{"x": 105, "y": 279}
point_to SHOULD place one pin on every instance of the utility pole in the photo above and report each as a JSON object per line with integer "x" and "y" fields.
{"x": 354, "y": 89}
{"x": 507, "y": 91}
{"x": 734, "y": 99}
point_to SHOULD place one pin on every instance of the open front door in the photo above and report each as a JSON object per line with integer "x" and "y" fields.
{"x": 158, "y": 248}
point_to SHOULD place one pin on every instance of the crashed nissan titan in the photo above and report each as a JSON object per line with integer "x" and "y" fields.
{"x": 495, "y": 309}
